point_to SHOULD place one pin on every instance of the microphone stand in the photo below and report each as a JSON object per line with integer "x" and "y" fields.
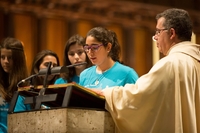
{"x": 41, "y": 96}
{"x": 30, "y": 78}
{"x": 32, "y": 81}
{"x": 42, "y": 91}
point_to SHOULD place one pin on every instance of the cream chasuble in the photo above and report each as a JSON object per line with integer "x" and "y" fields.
{"x": 165, "y": 100}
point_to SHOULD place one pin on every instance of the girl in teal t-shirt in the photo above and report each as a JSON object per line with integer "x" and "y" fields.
{"x": 12, "y": 70}
{"x": 103, "y": 50}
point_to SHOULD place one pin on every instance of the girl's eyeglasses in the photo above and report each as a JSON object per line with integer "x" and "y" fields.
{"x": 93, "y": 47}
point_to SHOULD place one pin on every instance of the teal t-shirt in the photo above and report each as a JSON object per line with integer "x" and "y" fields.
{"x": 75, "y": 78}
{"x": 117, "y": 75}
{"x": 4, "y": 106}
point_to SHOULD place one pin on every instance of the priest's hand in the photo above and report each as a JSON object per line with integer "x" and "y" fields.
{"x": 98, "y": 91}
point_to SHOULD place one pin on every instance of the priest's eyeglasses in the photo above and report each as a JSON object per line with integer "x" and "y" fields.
{"x": 158, "y": 31}
{"x": 93, "y": 47}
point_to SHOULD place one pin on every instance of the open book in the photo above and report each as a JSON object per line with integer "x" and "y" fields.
{"x": 75, "y": 95}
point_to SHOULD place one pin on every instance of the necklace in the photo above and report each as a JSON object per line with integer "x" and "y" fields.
{"x": 96, "y": 82}
{"x": 100, "y": 77}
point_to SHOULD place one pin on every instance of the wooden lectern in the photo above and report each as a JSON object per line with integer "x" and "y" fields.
{"x": 61, "y": 95}
{"x": 73, "y": 109}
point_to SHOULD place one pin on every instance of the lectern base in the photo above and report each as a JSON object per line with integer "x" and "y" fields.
{"x": 62, "y": 120}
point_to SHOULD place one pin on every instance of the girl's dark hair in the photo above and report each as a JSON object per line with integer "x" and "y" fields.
{"x": 75, "y": 39}
{"x": 8, "y": 81}
{"x": 107, "y": 36}
{"x": 37, "y": 62}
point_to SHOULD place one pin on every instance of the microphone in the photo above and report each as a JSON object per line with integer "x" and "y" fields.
{"x": 54, "y": 70}
{"x": 59, "y": 69}
{"x": 77, "y": 64}
{"x": 27, "y": 79}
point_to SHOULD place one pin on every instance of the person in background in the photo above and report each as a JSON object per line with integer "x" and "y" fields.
{"x": 103, "y": 50}
{"x": 73, "y": 54}
{"x": 167, "y": 98}
{"x": 12, "y": 69}
{"x": 42, "y": 60}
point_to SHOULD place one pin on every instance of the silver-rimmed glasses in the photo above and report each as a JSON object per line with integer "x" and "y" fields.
{"x": 157, "y": 33}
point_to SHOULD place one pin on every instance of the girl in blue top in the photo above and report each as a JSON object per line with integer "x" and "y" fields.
{"x": 12, "y": 70}
{"x": 74, "y": 53}
{"x": 103, "y": 50}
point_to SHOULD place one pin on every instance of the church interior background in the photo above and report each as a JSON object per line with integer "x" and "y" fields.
{"x": 48, "y": 24}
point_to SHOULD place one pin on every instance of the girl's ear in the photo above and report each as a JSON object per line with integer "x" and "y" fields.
{"x": 109, "y": 46}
